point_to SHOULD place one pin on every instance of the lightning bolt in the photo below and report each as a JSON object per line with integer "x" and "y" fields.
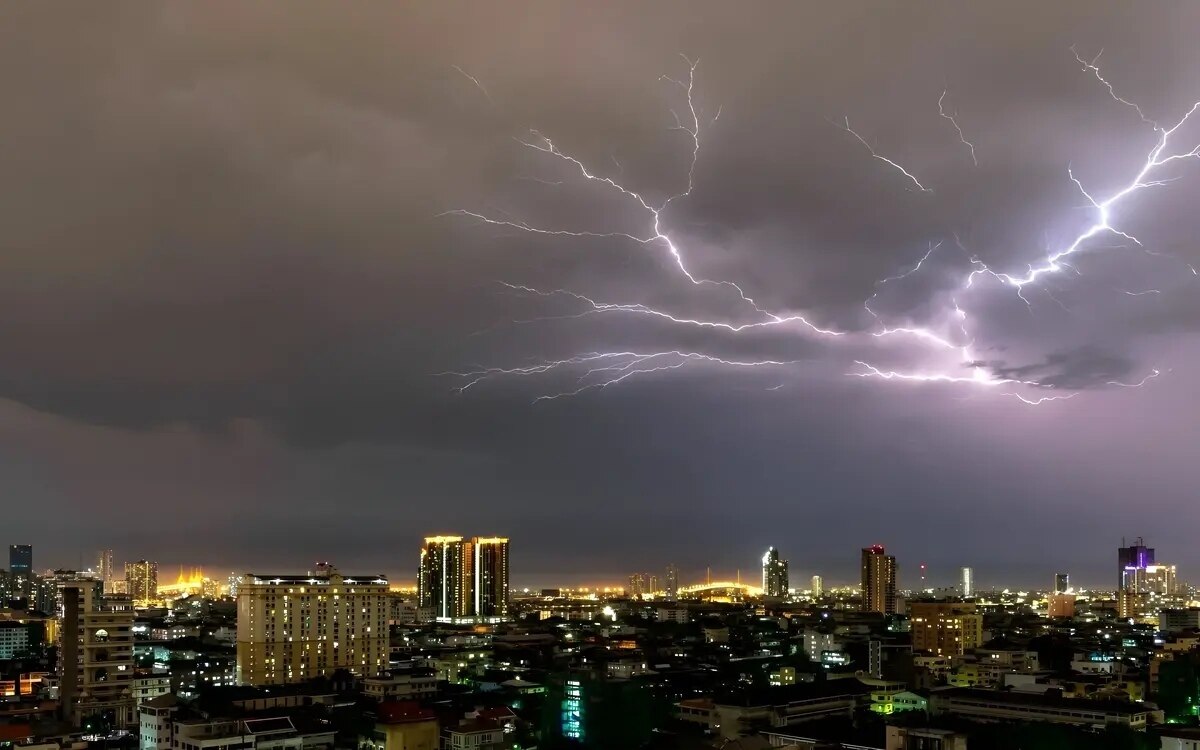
{"x": 603, "y": 369}
{"x": 475, "y": 81}
{"x": 884, "y": 159}
{"x": 957, "y": 129}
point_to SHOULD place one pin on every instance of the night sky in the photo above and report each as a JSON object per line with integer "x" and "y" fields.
{"x": 229, "y": 286}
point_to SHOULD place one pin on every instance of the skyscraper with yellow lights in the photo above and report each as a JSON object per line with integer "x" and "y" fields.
{"x": 464, "y": 580}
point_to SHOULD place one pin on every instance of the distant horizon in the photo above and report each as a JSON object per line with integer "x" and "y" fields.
{"x": 167, "y": 573}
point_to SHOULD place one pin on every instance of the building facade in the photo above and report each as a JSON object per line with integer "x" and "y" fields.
{"x": 292, "y": 628}
{"x": 141, "y": 581}
{"x": 945, "y": 628}
{"x": 464, "y": 580}
{"x": 774, "y": 574}
{"x": 95, "y": 666}
{"x": 878, "y": 580}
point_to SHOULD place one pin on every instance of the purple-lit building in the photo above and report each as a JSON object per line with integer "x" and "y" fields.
{"x": 1132, "y": 562}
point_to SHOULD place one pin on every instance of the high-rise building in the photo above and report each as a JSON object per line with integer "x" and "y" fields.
{"x": 463, "y": 580}
{"x": 292, "y": 628}
{"x": 672, "y": 583}
{"x": 878, "y": 580}
{"x": 141, "y": 580}
{"x": 945, "y": 628}
{"x": 638, "y": 586}
{"x": 966, "y": 583}
{"x": 20, "y": 559}
{"x": 774, "y": 574}
{"x": 95, "y": 664}
{"x": 1062, "y": 583}
{"x": 1132, "y": 562}
{"x": 1160, "y": 579}
{"x": 818, "y": 586}
{"x": 445, "y": 565}
{"x": 491, "y": 578}
{"x": 104, "y": 566}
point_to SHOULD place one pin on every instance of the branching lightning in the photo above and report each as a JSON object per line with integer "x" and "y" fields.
{"x": 603, "y": 369}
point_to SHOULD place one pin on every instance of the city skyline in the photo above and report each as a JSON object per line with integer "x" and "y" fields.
{"x": 243, "y": 268}
{"x": 945, "y": 581}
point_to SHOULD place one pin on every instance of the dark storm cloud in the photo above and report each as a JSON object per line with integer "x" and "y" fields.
{"x": 228, "y": 284}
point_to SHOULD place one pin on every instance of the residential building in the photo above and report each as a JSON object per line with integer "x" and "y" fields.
{"x": 878, "y": 580}
{"x": 402, "y": 685}
{"x": 461, "y": 580}
{"x": 14, "y": 639}
{"x": 403, "y": 725}
{"x": 995, "y": 705}
{"x": 1060, "y": 605}
{"x": 291, "y": 628}
{"x": 774, "y": 574}
{"x": 104, "y": 566}
{"x": 945, "y": 628}
{"x": 95, "y": 668}
{"x": 672, "y": 579}
{"x": 141, "y": 580}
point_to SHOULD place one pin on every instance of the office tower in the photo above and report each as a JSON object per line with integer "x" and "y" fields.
{"x": 818, "y": 586}
{"x": 20, "y": 559}
{"x": 1062, "y": 583}
{"x": 945, "y": 628}
{"x": 1132, "y": 562}
{"x": 464, "y": 580}
{"x": 672, "y": 583}
{"x": 774, "y": 574}
{"x": 104, "y": 566}
{"x": 292, "y": 628}
{"x": 95, "y": 665}
{"x": 491, "y": 578}
{"x": 141, "y": 580}
{"x": 878, "y": 580}
{"x": 966, "y": 583}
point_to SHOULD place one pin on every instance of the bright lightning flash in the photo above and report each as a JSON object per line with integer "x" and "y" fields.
{"x": 603, "y": 369}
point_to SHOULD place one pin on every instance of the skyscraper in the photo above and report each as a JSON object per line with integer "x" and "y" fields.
{"x": 464, "y": 580}
{"x": 440, "y": 576}
{"x": 966, "y": 583}
{"x": 774, "y": 574}
{"x": 818, "y": 586}
{"x": 104, "y": 565}
{"x": 1062, "y": 583}
{"x": 491, "y": 578}
{"x": 672, "y": 583}
{"x": 20, "y": 559}
{"x": 296, "y": 627}
{"x": 141, "y": 580}
{"x": 1132, "y": 562}
{"x": 878, "y": 580}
